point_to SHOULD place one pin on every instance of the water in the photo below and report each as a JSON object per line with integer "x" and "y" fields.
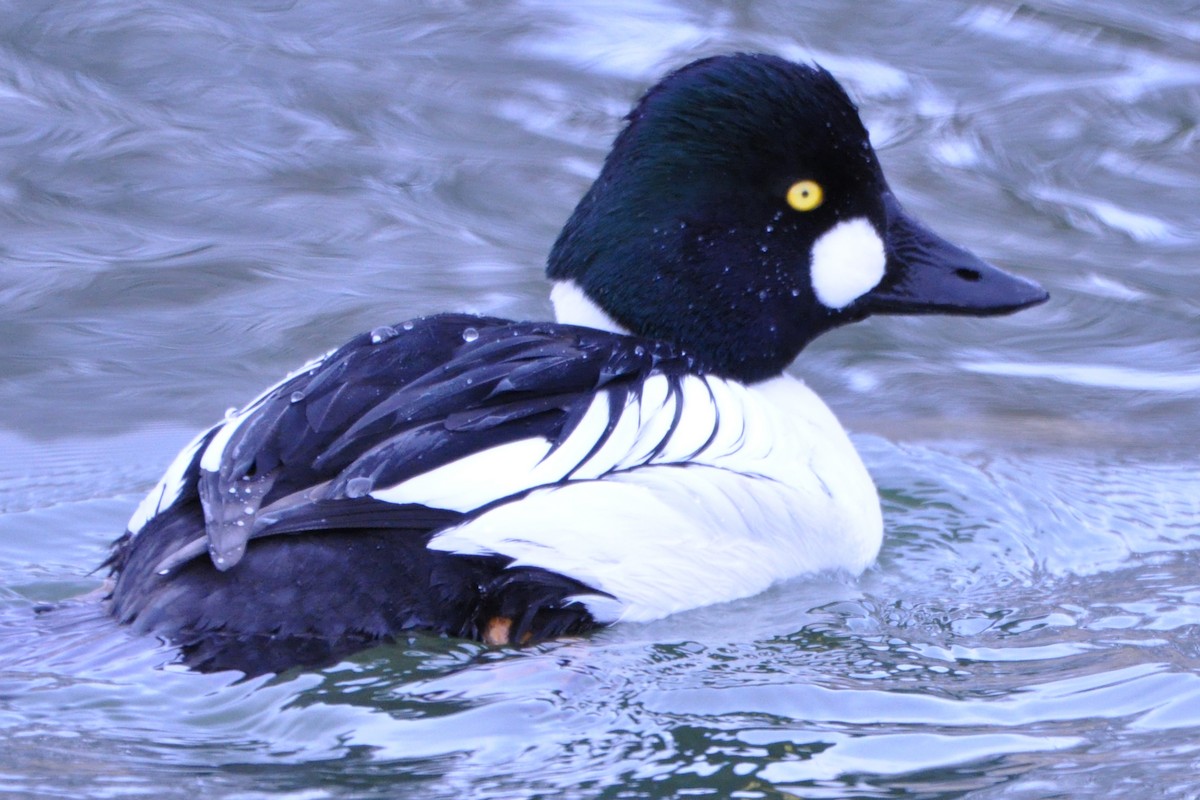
{"x": 195, "y": 200}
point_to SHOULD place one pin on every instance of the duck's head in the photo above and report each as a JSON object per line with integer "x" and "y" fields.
{"x": 742, "y": 212}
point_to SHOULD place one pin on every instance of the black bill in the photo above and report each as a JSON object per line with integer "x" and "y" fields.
{"x": 928, "y": 275}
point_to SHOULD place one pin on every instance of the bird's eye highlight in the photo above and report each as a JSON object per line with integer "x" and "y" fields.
{"x": 805, "y": 195}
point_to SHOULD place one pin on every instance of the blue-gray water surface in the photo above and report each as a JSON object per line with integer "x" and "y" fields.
{"x": 195, "y": 198}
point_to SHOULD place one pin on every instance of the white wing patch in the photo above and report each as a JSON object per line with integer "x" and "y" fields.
{"x": 656, "y": 413}
{"x": 478, "y": 479}
{"x": 697, "y": 420}
{"x": 847, "y": 262}
{"x": 169, "y": 487}
{"x": 211, "y": 460}
{"x": 660, "y": 426}
{"x": 775, "y": 490}
{"x": 615, "y": 447}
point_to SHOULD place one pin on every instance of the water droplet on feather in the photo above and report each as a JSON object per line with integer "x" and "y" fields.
{"x": 382, "y": 334}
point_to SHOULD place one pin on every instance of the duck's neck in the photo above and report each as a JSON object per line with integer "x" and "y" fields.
{"x": 573, "y": 307}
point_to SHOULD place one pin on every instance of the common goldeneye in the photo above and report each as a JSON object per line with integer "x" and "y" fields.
{"x": 645, "y": 454}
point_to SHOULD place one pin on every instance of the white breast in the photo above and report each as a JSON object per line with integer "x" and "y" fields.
{"x": 755, "y": 485}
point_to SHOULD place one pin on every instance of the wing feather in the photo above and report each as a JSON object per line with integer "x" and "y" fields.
{"x": 439, "y": 401}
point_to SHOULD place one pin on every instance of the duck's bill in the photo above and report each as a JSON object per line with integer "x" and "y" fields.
{"x": 928, "y": 275}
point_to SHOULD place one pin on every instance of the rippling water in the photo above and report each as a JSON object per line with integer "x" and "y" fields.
{"x": 196, "y": 198}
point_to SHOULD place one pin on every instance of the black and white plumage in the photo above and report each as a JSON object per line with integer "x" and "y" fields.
{"x": 308, "y": 455}
{"x": 509, "y": 481}
{"x": 424, "y": 446}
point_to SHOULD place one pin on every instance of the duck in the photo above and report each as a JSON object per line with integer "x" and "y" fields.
{"x": 646, "y": 453}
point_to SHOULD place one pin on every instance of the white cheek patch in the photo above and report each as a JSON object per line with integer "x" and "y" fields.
{"x": 847, "y": 262}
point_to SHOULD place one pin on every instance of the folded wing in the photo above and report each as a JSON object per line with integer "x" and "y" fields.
{"x": 436, "y": 418}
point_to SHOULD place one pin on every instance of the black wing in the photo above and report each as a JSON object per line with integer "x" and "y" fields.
{"x": 395, "y": 403}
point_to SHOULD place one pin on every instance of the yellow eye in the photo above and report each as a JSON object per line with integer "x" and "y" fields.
{"x": 805, "y": 195}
